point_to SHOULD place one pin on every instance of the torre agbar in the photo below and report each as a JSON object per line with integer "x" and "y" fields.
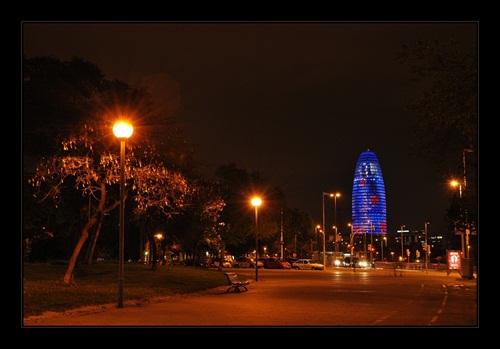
{"x": 368, "y": 197}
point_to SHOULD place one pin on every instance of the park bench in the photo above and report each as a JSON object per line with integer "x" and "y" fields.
{"x": 235, "y": 283}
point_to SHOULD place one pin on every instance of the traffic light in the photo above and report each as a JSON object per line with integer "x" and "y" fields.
{"x": 417, "y": 253}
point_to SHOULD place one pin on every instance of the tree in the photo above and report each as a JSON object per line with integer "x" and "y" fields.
{"x": 75, "y": 97}
{"x": 447, "y": 123}
{"x": 238, "y": 187}
{"x": 92, "y": 166}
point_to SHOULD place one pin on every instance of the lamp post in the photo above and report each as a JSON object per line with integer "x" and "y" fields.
{"x": 455, "y": 184}
{"x": 467, "y": 226}
{"x": 295, "y": 247}
{"x": 282, "y": 242}
{"x": 324, "y": 228}
{"x": 335, "y": 222}
{"x": 371, "y": 241}
{"x": 256, "y": 202}
{"x": 402, "y": 247}
{"x": 352, "y": 244}
{"x": 426, "y": 245}
{"x": 335, "y": 243}
{"x": 122, "y": 130}
{"x": 382, "y": 242}
{"x": 465, "y": 250}
{"x": 316, "y": 229}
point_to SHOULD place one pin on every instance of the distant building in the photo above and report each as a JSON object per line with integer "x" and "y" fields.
{"x": 369, "y": 214}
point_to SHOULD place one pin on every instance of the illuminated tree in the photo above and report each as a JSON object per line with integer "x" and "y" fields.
{"x": 71, "y": 155}
{"x": 89, "y": 163}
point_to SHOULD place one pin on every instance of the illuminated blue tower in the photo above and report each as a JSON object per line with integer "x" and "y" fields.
{"x": 368, "y": 196}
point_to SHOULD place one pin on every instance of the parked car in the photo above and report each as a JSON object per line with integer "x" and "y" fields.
{"x": 309, "y": 264}
{"x": 216, "y": 261}
{"x": 246, "y": 262}
{"x": 202, "y": 263}
{"x": 286, "y": 265}
{"x": 275, "y": 263}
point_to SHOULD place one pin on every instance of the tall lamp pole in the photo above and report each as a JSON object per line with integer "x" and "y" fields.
{"x": 335, "y": 222}
{"x": 402, "y": 247}
{"x": 122, "y": 130}
{"x": 256, "y": 202}
{"x": 382, "y": 243}
{"x": 467, "y": 226}
{"x": 324, "y": 228}
{"x": 455, "y": 184}
{"x": 282, "y": 242}
{"x": 352, "y": 243}
{"x": 371, "y": 240}
{"x": 426, "y": 245}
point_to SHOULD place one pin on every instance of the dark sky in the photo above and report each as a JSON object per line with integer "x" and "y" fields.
{"x": 296, "y": 101}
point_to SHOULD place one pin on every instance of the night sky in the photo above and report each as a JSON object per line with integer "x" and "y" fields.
{"x": 296, "y": 101}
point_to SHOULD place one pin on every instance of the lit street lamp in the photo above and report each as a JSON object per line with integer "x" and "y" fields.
{"x": 352, "y": 244}
{"x": 335, "y": 222}
{"x": 122, "y": 130}
{"x": 467, "y": 267}
{"x": 256, "y": 202}
{"x": 158, "y": 248}
{"x": 455, "y": 184}
{"x": 324, "y": 227}
{"x": 382, "y": 242}
{"x": 426, "y": 245}
{"x": 402, "y": 247}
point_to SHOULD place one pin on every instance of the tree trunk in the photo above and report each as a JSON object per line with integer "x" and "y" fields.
{"x": 68, "y": 277}
{"x": 90, "y": 256}
{"x": 222, "y": 255}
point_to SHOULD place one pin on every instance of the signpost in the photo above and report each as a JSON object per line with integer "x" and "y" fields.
{"x": 454, "y": 261}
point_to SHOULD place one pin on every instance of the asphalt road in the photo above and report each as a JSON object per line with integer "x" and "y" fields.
{"x": 299, "y": 298}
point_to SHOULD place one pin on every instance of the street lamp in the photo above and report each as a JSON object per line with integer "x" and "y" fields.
{"x": 382, "y": 242}
{"x": 465, "y": 251}
{"x": 324, "y": 227}
{"x": 371, "y": 240}
{"x": 159, "y": 249}
{"x": 335, "y": 235}
{"x": 122, "y": 130}
{"x": 335, "y": 222}
{"x": 256, "y": 202}
{"x": 402, "y": 247}
{"x": 455, "y": 183}
{"x": 352, "y": 243}
{"x": 426, "y": 245}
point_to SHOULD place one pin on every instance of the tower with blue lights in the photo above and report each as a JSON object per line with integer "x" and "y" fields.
{"x": 368, "y": 196}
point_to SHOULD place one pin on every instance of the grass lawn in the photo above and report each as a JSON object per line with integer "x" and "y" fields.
{"x": 96, "y": 284}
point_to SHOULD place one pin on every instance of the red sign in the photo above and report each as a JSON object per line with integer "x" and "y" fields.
{"x": 453, "y": 258}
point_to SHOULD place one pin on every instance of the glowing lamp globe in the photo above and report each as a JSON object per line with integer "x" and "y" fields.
{"x": 123, "y": 129}
{"x": 256, "y": 202}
